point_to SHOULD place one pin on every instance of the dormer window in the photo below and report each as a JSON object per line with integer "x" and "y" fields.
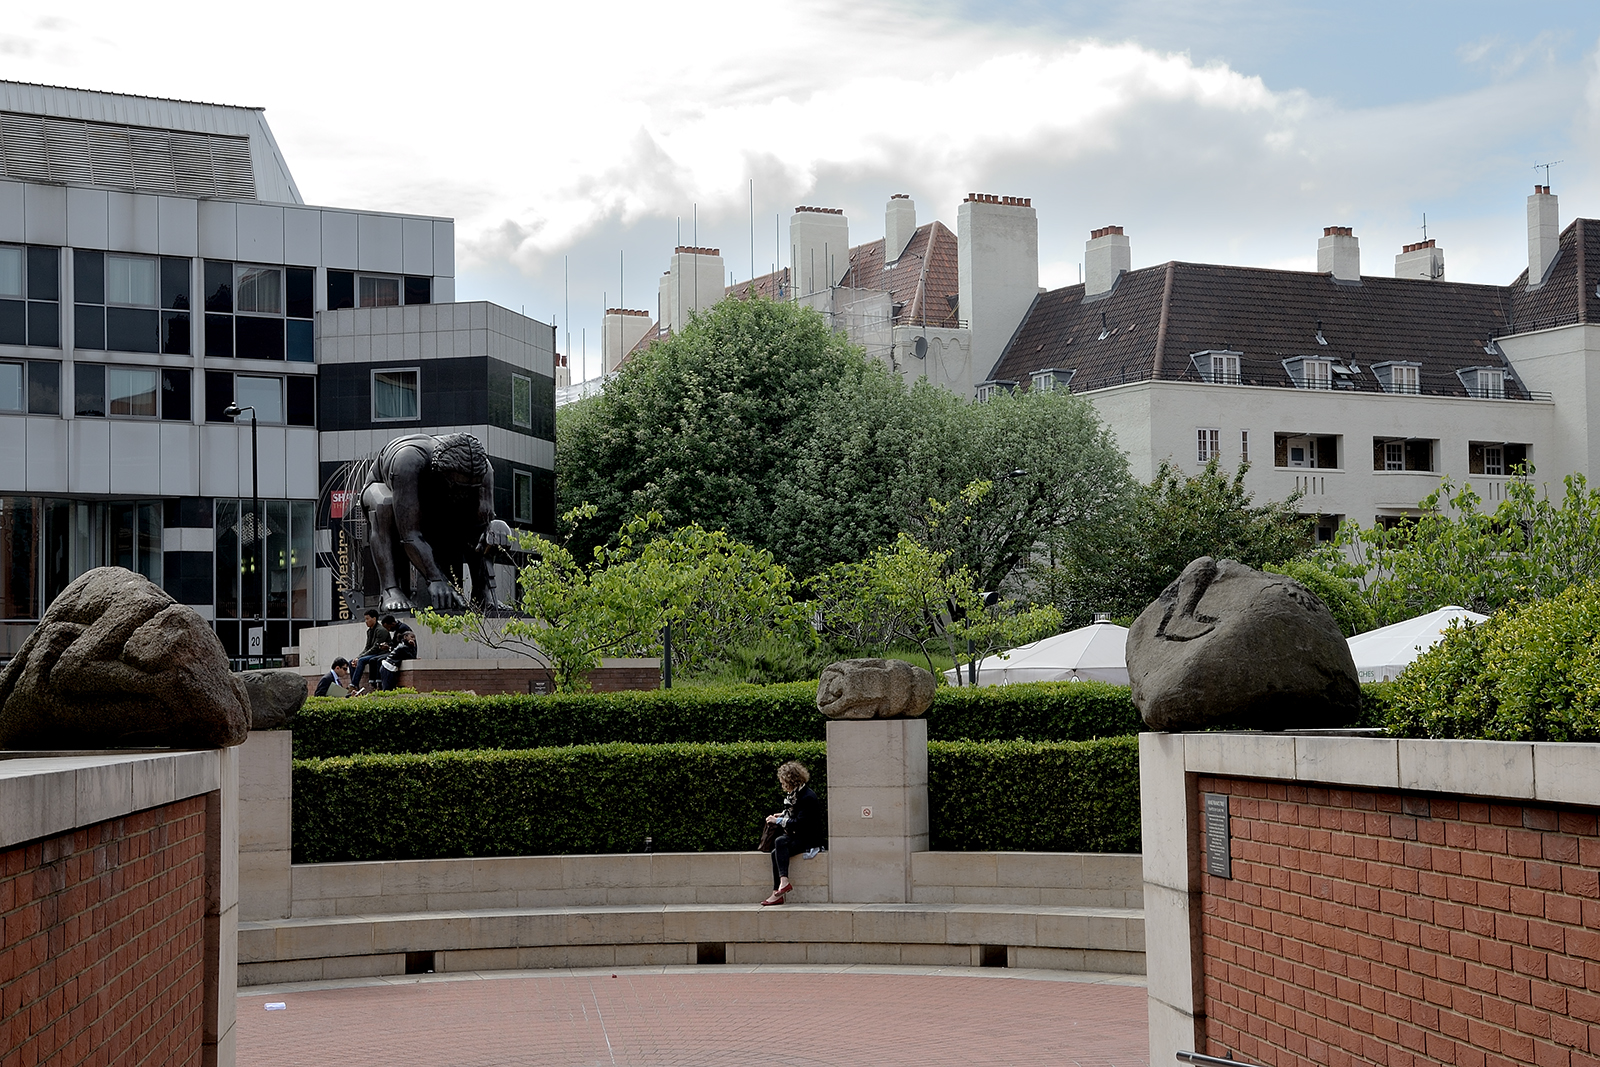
{"x": 1310, "y": 373}
{"x": 1052, "y": 379}
{"x": 1399, "y": 377}
{"x": 1486, "y": 383}
{"x": 1219, "y": 367}
{"x": 989, "y": 390}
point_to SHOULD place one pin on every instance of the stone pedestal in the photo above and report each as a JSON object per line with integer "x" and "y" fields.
{"x": 266, "y": 791}
{"x": 877, "y": 807}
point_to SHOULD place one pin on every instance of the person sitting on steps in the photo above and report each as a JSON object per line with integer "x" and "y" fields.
{"x": 803, "y": 820}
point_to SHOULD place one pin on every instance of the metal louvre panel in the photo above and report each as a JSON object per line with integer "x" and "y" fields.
{"x": 152, "y": 160}
{"x": 191, "y": 164}
{"x": 230, "y": 161}
{"x": 133, "y": 158}
{"x": 111, "y": 156}
{"x": 24, "y": 147}
{"x": 67, "y": 151}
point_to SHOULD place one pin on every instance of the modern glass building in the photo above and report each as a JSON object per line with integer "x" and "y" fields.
{"x": 157, "y": 265}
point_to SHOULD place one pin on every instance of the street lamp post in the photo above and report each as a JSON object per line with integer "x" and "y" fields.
{"x": 233, "y": 411}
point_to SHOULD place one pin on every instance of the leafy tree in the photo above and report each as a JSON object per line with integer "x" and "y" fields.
{"x": 913, "y": 594}
{"x": 1123, "y": 566}
{"x": 1342, "y": 595}
{"x": 710, "y": 588}
{"x": 702, "y": 427}
{"x": 1527, "y": 548}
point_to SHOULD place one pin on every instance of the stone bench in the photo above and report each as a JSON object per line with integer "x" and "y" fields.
{"x": 312, "y": 948}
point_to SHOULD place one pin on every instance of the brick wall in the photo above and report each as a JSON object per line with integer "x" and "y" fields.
{"x": 491, "y": 680}
{"x": 102, "y": 942}
{"x": 1366, "y": 927}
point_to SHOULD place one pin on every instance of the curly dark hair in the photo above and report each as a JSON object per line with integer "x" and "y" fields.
{"x": 460, "y": 453}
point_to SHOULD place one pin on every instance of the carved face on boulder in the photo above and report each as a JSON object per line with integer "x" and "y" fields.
{"x": 874, "y": 689}
{"x": 1228, "y": 645}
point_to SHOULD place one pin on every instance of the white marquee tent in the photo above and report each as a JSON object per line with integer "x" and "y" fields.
{"x": 1094, "y": 653}
{"x": 1383, "y": 653}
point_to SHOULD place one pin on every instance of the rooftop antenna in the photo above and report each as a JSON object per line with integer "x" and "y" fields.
{"x": 1546, "y": 168}
{"x": 1424, "y": 226}
{"x": 566, "y": 305}
{"x": 622, "y": 301}
{"x": 752, "y": 229}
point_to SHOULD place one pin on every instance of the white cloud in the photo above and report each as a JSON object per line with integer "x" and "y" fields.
{"x": 572, "y": 130}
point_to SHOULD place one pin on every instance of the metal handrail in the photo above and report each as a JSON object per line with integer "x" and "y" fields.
{"x": 1211, "y": 1061}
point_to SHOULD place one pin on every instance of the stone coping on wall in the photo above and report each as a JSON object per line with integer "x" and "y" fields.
{"x": 46, "y": 793}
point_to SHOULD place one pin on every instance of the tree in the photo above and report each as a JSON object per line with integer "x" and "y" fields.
{"x": 710, "y": 588}
{"x": 702, "y": 427}
{"x": 1122, "y": 567}
{"x": 913, "y": 594}
{"x": 1454, "y": 552}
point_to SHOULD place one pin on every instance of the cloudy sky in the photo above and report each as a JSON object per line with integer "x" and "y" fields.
{"x": 574, "y": 142}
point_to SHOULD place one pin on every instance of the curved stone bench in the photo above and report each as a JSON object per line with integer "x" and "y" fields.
{"x": 346, "y": 946}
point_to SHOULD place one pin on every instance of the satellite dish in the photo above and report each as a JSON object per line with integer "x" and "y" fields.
{"x": 920, "y": 348}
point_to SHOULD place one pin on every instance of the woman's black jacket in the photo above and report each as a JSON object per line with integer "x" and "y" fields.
{"x": 805, "y": 820}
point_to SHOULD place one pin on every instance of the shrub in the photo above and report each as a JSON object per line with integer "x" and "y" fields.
{"x": 1043, "y": 711}
{"x": 1034, "y": 796}
{"x": 1528, "y": 674}
{"x": 578, "y": 799}
{"x": 1073, "y": 796}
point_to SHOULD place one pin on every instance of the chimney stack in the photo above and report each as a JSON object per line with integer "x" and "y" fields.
{"x": 997, "y": 266}
{"x": 819, "y": 247}
{"x": 694, "y": 283}
{"x": 1425, "y": 260}
{"x": 1544, "y": 234}
{"x": 620, "y": 330}
{"x": 899, "y": 223}
{"x": 1339, "y": 254}
{"x": 1105, "y": 256}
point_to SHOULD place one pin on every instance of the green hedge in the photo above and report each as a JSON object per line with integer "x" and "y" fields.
{"x": 1072, "y": 796}
{"x": 1047, "y": 711}
{"x": 544, "y": 801}
{"x": 1034, "y": 796}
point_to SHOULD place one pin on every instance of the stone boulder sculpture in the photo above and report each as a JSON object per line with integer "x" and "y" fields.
{"x": 117, "y": 663}
{"x": 274, "y": 697}
{"x": 874, "y": 689}
{"x": 1228, "y": 645}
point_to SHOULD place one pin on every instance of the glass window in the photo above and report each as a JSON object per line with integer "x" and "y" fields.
{"x": 44, "y": 274}
{"x": 1394, "y": 456}
{"x": 379, "y": 292}
{"x": 131, "y": 280}
{"x": 1404, "y": 379}
{"x": 521, "y": 400}
{"x": 260, "y": 290}
{"x": 131, "y": 391}
{"x": 219, "y": 286}
{"x": 1316, "y": 374}
{"x": 13, "y": 322}
{"x": 175, "y": 284}
{"x": 1225, "y": 369}
{"x": 11, "y": 271}
{"x": 1494, "y": 460}
{"x": 522, "y": 495}
{"x": 175, "y": 389}
{"x": 263, "y": 394}
{"x": 133, "y": 329}
{"x": 394, "y": 394}
{"x": 44, "y": 388}
{"x": 89, "y": 276}
{"x": 302, "y": 394}
{"x": 341, "y": 289}
{"x": 298, "y": 302}
{"x": 419, "y": 290}
{"x": 302, "y": 529}
{"x": 11, "y": 387}
{"x": 89, "y": 389}
{"x": 1244, "y": 446}
{"x": 1208, "y": 446}
{"x": 1492, "y": 384}
{"x": 258, "y": 337}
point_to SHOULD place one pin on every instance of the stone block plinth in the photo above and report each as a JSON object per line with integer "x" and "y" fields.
{"x": 877, "y": 808}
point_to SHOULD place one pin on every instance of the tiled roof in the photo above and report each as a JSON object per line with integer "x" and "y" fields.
{"x": 1567, "y": 296}
{"x": 1155, "y": 318}
{"x": 924, "y": 281}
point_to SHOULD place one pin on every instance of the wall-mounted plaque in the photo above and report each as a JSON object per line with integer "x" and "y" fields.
{"x": 1218, "y": 860}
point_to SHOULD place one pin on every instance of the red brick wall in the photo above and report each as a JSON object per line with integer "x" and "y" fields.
{"x": 1367, "y": 927}
{"x": 490, "y": 681}
{"x": 102, "y": 937}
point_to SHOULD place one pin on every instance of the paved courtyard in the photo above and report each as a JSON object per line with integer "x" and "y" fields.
{"x": 705, "y": 1016}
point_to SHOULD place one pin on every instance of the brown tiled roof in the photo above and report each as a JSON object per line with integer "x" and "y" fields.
{"x": 1568, "y": 296}
{"x": 1155, "y": 318}
{"x": 924, "y": 281}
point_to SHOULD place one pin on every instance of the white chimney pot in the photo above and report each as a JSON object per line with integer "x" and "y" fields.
{"x": 1106, "y": 256}
{"x": 1544, "y": 234}
{"x": 1339, "y": 254}
{"x": 899, "y": 223}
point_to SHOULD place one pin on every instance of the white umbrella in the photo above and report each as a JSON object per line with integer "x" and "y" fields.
{"x": 1097, "y": 652}
{"x": 1383, "y": 653}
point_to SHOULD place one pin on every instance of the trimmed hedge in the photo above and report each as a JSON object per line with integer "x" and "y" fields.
{"x": 1071, "y": 796}
{"x": 1051, "y": 711}
{"x": 544, "y": 801}
{"x": 1032, "y": 796}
